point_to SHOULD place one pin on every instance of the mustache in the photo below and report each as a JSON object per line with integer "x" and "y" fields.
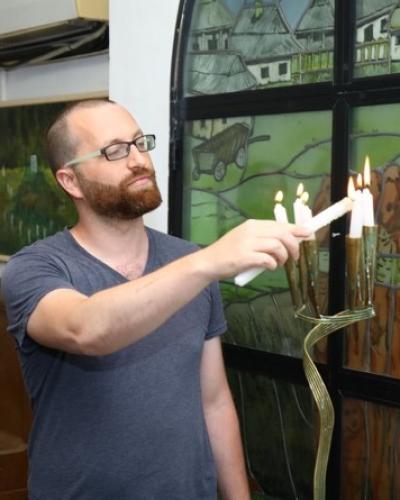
{"x": 138, "y": 172}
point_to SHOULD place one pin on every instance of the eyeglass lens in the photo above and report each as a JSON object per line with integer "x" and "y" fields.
{"x": 121, "y": 150}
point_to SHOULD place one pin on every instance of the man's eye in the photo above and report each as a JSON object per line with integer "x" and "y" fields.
{"x": 116, "y": 149}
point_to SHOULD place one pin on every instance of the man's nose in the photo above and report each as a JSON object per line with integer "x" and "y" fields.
{"x": 136, "y": 158}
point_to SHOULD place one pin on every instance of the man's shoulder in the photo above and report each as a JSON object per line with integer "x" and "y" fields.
{"x": 46, "y": 245}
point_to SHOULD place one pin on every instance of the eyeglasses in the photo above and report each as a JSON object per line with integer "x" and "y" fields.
{"x": 119, "y": 150}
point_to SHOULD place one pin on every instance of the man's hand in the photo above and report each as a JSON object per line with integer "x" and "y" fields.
{"x": 255, "y": 243}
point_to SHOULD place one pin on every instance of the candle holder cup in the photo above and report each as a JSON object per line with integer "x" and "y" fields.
{"x": 360, "y": 272}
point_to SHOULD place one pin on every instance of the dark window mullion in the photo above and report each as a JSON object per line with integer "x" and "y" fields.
{"x": 339, "y": 175}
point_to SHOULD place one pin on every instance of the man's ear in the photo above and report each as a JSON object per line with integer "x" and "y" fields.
{"x": 68, "y": 181}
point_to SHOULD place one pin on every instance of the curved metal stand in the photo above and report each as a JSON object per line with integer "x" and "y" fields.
{"x": 324, "y": 326}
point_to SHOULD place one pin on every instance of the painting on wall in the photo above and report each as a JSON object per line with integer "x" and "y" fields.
{"x": 237, "y": 45}
{"x": 32, "y": 206}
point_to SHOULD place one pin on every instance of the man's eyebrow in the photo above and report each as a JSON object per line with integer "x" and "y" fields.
{"x": 116, "y": 140}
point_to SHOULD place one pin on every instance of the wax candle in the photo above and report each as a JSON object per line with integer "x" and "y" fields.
{"x": 279, "y": 210}
{"x": 307, "y": 212}
{"x": 357, "y": 217}
{"x": 368, "y": 200}
{"x": 280, "y": 216}
{"x": 298, "y": 205}
{"x": 330, "y": 214}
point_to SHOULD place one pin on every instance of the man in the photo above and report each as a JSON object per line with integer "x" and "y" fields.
{"x": 118, "y": 326}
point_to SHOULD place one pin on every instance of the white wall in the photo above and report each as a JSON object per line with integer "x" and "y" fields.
{"x": 141, "y": 42}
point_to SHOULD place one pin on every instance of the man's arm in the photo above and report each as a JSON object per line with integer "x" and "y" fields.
{"x": 114, "y": 318}
{"x": 222, "y": 424}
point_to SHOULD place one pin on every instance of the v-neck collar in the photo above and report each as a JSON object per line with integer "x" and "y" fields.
{"x": 149, "y": 261}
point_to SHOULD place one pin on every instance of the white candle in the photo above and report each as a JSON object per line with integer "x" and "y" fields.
{"x": 330, "y": 214}
{"x": 279, "y": 210}
{"x": 357, "y": 216}
{"x": 306, "y": 213}
{"x": 368, "y": 200}
{"x": 298, "y": 205}
{"x": 280, "y": 216}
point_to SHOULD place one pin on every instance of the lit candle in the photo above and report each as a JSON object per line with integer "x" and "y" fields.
{"x": 280, "y": 216}
{"x": 307, "y": 213}
{"x": 279, "y": 210}
{"x": 368, "y": 200}
{"x": 298, "y": 205}
{"x": 356, "y": 221}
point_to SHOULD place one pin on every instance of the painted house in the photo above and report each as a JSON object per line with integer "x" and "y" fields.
{"x": 315, "y": 28}
{"x": 263, "y": 36}
{"x": 215, "y": 73}
{"x": 315, "y": 32}
{"x": 373, "y": 35}
{"x": 395, "y": 37}
{"x": 213, "y": 25}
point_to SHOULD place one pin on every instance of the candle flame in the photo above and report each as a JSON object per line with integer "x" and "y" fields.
{"x": 300, "y": 190}
{"x": 367, "y": 172}
{"x": 351, "y": 190}
{"x": 359, "y": 181}
{"x": 305, "y": 197}
{"x": 279, "y": 197}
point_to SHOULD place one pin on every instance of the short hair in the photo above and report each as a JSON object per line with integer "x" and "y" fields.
{"x": 60, "y": 142}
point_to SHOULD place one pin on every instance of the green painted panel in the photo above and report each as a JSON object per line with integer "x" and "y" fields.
{"x": 233, "y": 169}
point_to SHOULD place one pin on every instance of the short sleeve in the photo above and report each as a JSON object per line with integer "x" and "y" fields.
{"x": 26, "y": 279}
{"x": 217, "y": 323}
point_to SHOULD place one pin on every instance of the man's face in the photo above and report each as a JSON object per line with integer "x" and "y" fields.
{"x": 122, "y": 189}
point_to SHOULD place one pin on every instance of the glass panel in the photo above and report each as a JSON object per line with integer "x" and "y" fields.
{"x": 377, "y": 39}
{"x": 236, "y": 45}
{"x": 371, "y": 451}
{"x": 233, "y": 168}
{"x": 31, "y": 204}
{"x": 374, "y": 346}
{"x": 279, "y": 435}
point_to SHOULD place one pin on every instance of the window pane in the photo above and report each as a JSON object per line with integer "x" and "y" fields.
{"x": 232, "y": 172}
{"x": 374, "y": 346}
{"x": 279, "y": 429}
{"x": 236, "y": 45}
{"x": 377, "y": 47}
{"x": 371, "y": 451}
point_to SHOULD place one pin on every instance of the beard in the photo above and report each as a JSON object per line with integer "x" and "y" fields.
{"x": 121, "y": 202}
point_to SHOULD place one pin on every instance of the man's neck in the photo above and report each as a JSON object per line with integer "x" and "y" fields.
{"x": 122, "y": 245}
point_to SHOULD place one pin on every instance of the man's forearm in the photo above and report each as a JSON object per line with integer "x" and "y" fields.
{"x": 223, "y": 428}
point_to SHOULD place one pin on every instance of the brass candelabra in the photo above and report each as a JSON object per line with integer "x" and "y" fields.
{"x": 304, "y": 288}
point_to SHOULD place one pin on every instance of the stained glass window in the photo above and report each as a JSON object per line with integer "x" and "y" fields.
{"x": 289, "y": 126}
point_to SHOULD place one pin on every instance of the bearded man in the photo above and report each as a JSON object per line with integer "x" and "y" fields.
{"x": 118, "y": 329}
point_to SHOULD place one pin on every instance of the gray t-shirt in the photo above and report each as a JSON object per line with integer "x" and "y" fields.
{"x": 125, "y": 426}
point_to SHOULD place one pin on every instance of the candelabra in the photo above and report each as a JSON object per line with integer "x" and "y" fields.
{"x": 304, "y": 283}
